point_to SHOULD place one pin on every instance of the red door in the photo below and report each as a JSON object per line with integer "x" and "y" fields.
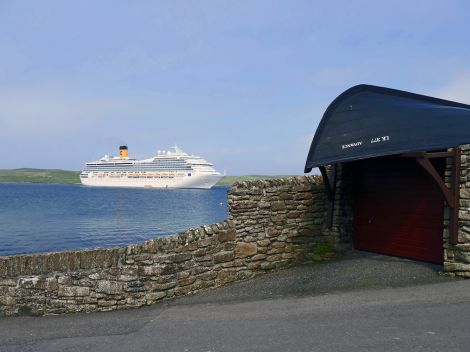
{"x": 398, "y": 209}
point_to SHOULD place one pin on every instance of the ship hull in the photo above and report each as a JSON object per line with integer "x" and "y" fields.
{"x": 194, "y": 181}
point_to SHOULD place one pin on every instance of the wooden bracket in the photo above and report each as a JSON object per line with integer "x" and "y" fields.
{"x": 452, "y": 196}
{"x": 330, "y": 185}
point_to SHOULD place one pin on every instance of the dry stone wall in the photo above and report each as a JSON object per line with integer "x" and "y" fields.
{"x": 457, "y": 257}
{"x": 271, "y": 224}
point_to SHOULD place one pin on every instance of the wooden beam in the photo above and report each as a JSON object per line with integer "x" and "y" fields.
{"x": 426, "y": 165}
{"x": 427, "y": 155}
{"x": 452, "y": 196}
{"x": 326, "y": 181}
{"x": 330, "y": 184}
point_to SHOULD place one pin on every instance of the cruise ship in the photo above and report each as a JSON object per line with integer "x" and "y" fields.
{"x": 167, "y": 169}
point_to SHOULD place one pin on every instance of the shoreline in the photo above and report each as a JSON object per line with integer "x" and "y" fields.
{"x": 58, "y": 176}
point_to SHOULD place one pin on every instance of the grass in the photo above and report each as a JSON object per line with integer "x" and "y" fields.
{"x": 28, "y": 175}
{"x": 39, "y": 176}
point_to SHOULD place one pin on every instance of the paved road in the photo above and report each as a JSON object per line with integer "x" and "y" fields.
{"x": 363, "y": 302}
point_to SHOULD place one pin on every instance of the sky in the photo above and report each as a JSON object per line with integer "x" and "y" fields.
{"x": 241, "y": 83}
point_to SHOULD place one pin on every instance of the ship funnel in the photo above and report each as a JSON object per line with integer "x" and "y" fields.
{"x": 123, "y": 152}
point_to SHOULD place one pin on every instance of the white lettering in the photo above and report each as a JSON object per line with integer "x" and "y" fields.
{"x": 380, "y": 139}
{"x": 351, "y": 145}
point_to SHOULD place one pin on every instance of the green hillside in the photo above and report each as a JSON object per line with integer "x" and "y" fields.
{"x": 39, "y": 176}
{"x": 65, "y": 176}
{"x": 229, "y": 180}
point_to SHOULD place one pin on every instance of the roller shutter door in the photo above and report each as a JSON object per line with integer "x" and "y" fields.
{"x": 398, "y": 209}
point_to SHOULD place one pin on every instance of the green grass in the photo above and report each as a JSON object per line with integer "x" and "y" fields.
{"x": 39, "y": 176}
{"x": 64, "y": 176}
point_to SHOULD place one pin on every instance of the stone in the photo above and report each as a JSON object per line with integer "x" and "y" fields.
{"x": 278, "y": 244}
{"x": 211, "y": 275}
{"x": 110, "y": 287}
{"x": 186, "y": 281}
{"x": 278, "y": 205}
{"x": 94, "y": 276}
{"x": 264, "y": 205}
{"x": 163, "y": 287}
{"x": 228, "y": 235}
{"x": 274, "y": 258}
{"x": 263, "y": 243}
{"x": 223, "y": 256}
{"x": 175, "y": 258}
{"x": 279, "y": 217}
{"x": 267, "y": 265}
{"x": 183, "y": 275}
{"x": 103, "y": 303}
{"x": 154, "y": 296}
{"x": 271, "y": 232}
{"x": 204, "y": 242}
{"x": 73, "y": 291}
{"x": 254, "y": 265}
{"x": 275, "y": 251}
{"x": 7, "y": 300}
{"x": 184, "y": 290}
{"x": 149, "y": 270}
{"x": 8, "y": 282}
{"x": 127, "y": 278}
{"x": 243, "y": 250}
{"x": 259, "y": 257}
{"x": 226, "y": 275}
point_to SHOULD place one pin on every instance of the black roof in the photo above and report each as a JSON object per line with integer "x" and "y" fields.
{"x": 368, "y": 121}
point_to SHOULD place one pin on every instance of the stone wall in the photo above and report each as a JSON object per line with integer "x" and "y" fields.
{"x": 457, "y": 257}
{"x": 271, "y": 224}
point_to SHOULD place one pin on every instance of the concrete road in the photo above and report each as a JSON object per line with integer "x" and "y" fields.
{"x": 363, "y": 302}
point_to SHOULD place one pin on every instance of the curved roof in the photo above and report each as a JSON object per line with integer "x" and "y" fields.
{"x": 368, "y": 121}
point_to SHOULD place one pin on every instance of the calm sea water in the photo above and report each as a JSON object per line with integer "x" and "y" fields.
{"x": 42, "y": 217}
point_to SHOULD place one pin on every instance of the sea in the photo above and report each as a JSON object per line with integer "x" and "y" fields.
{"x": 54, "y": 217}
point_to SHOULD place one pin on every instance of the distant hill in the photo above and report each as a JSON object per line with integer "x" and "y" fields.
{"x": 66, "y": 176}
{"x": 229, "y": 180}
{"x": 39, "y": 176}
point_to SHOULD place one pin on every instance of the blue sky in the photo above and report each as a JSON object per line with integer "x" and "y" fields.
{"x": 242, "y": 83}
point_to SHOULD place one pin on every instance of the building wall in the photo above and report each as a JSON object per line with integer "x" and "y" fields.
{"x": 271, "y": 224}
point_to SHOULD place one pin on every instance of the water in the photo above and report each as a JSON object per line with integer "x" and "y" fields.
{"x": 42, "y": 217}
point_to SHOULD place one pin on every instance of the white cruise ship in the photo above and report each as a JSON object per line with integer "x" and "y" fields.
{"x": 167, "y": 169}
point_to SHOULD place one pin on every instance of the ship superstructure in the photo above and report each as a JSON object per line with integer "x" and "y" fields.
{"x": 167, "y": 169}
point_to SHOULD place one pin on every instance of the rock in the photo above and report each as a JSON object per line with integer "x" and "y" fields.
{"x": 259, "y": 257}
{"x": 8, "y": 282}
{"x": 110, "y": 287}
{"x": 263, "y": 243}
{"x": 225, "y": 256}
{"x": 154, "y": 296}
{"x": 264, "y": 205}
{"x": 73, "y": 291}
{"x": 226, "y": 275}
{"x": 163, "y": 287}
{"x": 243, "y": 250}
{"x": 228, "y": 235}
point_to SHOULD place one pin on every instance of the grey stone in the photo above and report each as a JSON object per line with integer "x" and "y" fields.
{"x": 73, "y": 291}
{"x": 110, "y": 287}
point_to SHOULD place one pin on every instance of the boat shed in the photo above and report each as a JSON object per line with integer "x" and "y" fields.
{"x": 394, "y": 164}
